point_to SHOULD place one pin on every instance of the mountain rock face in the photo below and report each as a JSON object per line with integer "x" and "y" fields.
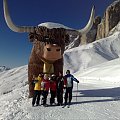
{"x": 110, "y": 20}
{"x": 105, "y": 27}
{"x": 115, "y": 29}
{"x": 76, "y": 40}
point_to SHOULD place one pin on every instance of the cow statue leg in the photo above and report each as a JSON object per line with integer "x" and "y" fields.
{"x": 58, "y": 66}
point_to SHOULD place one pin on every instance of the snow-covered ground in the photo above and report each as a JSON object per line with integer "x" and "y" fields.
{"x": 96, "y": 99}
{"x": 96, "y": 66}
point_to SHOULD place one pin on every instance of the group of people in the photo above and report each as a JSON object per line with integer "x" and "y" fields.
{"x": 56, "y": 85}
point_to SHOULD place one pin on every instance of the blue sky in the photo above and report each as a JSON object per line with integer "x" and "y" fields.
{"x": 15, "y": 48}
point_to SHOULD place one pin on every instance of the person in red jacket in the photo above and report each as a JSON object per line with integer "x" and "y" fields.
{"x": 45, "y": 86}
{"x": 53, "y": 89}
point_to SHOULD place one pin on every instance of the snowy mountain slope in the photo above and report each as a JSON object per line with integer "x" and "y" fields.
{"x": 13, "y": 93}
{"x": 95, "y": 53}
{"x": 15, "y": 77}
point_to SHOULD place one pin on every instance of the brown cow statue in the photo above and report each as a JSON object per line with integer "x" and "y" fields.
{"x": 48, "y": 45}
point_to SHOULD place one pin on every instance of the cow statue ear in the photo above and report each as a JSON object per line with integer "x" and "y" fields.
{"x": 33, "y": 37}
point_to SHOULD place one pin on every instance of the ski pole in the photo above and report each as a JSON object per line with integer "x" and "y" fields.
{"x": 76, "y": 92}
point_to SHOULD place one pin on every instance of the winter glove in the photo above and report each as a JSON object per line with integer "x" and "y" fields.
{"x": 64, "y": 86}
{"x": 35, "y": 81}
{"x": 77, "y": 81}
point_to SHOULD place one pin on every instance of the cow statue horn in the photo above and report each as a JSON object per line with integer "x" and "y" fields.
{"x": 15, "y": 28}
{"x": 11, "y": 25}
{"x": 87, "y": 28}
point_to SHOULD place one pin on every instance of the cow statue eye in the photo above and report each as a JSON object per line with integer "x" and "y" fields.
{"x": 57, "y": 49}
{"x": 48, "y": 49}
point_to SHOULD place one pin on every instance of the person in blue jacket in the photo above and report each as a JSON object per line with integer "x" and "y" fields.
{"x": 68, "y": 85}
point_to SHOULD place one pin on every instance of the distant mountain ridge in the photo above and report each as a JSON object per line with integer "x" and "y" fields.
{"x": 4, "y": 68}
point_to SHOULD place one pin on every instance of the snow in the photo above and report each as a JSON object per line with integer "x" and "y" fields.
{"x": 85, "y": 56}
{"x": 51, "y": 25}
{"x": 107, "y": 73}
{"x": 96, "y": 66}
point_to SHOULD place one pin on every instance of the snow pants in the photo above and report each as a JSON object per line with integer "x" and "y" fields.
{"x": 68, "y": 92}
{"x": 60, "y": 97}
{"x": 36, "y": 97}
{"x": 44, "y": 99}
{"x": 53, "y": 95}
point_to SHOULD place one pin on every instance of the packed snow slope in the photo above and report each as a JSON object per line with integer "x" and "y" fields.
{"x": 108, "y": 72}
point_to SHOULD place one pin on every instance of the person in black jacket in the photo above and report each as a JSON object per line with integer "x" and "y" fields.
{"x": 60, "y": 86}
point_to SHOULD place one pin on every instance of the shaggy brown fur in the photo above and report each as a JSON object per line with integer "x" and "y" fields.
{"x": 40, "y": 37}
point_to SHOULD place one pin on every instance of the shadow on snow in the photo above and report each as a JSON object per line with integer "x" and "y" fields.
{"x": 113, "y": 93}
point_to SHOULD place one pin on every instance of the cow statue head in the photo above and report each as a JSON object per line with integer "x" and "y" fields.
{"x": 48, "y": 45}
